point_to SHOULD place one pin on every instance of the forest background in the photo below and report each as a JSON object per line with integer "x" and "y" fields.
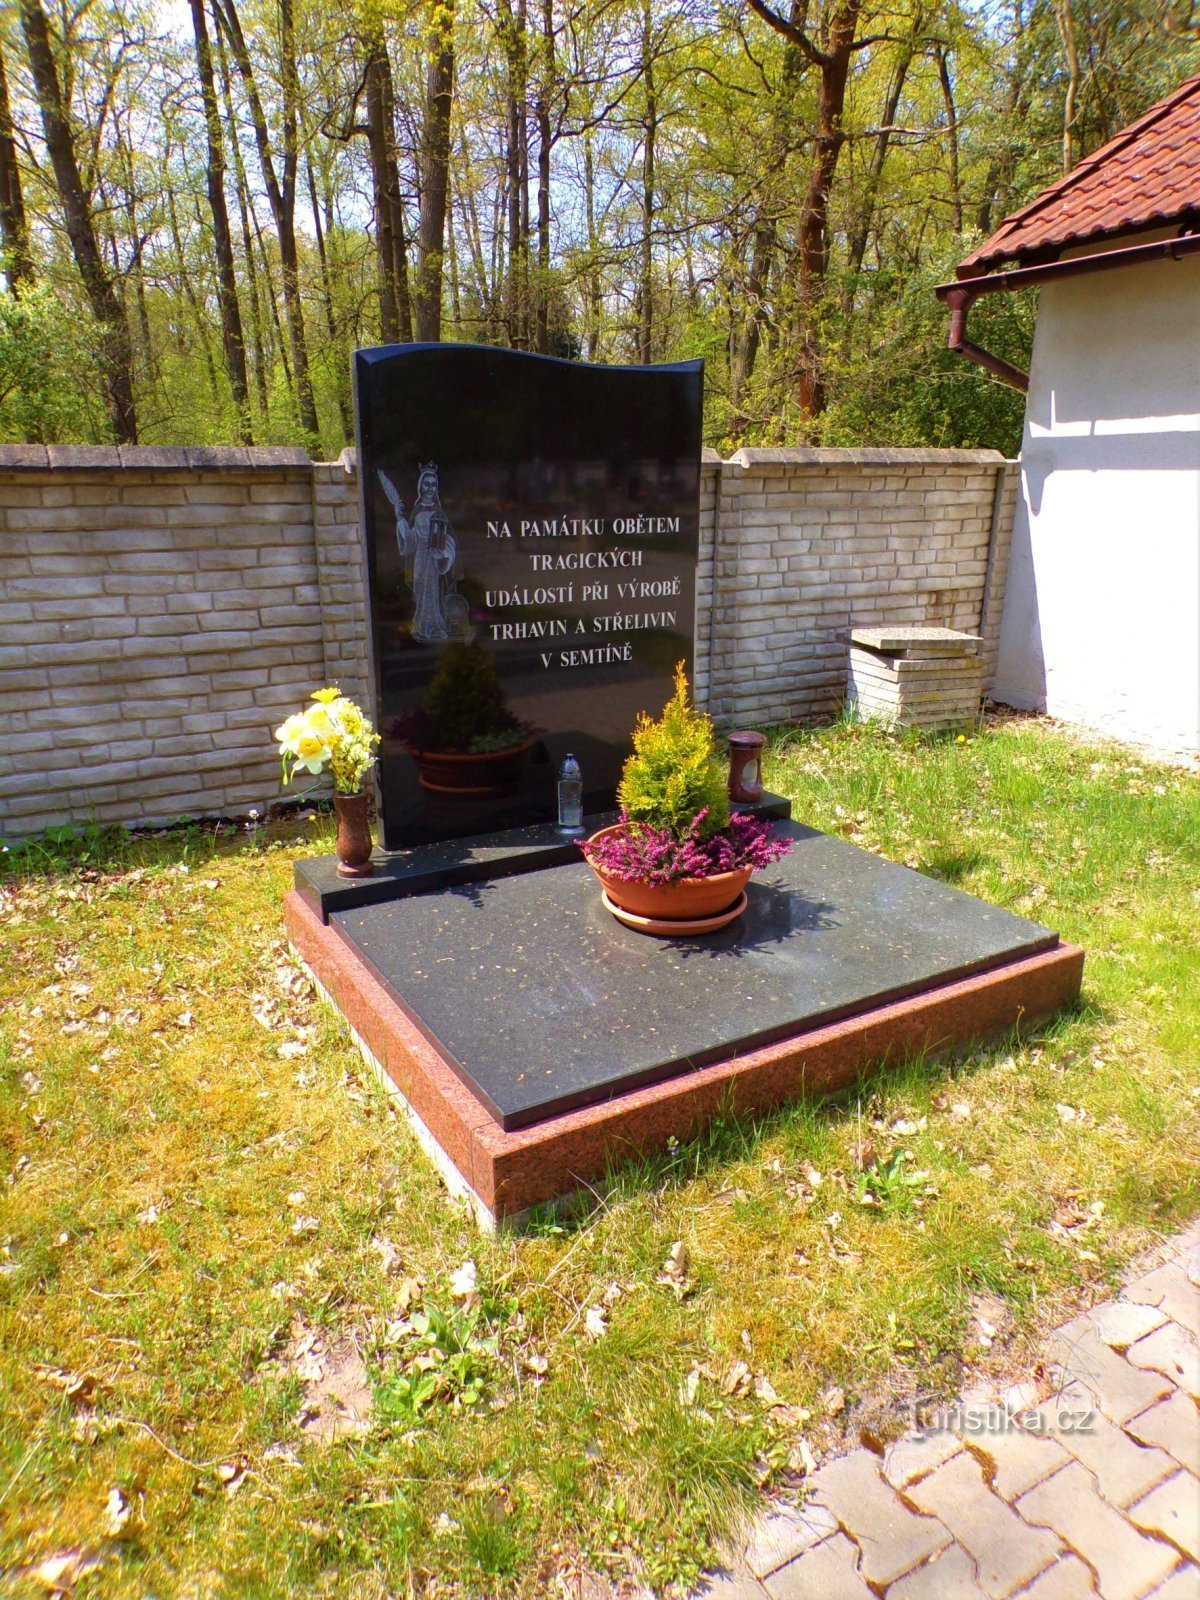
{"x": 206, "y": 205}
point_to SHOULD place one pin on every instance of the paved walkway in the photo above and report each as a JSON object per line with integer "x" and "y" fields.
{"x": 1092, "y": 1492}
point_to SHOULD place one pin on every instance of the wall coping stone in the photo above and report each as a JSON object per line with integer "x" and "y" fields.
{"x": 280, "y": 457}
{"x": 812, "y": 456}
{"x": 152, "y": 458}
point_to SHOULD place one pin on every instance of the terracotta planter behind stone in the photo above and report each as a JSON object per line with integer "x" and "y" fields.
{"x": 460, "y": 772}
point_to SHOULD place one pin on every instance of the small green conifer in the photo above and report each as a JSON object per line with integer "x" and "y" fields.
{"x": 674, "y": 772}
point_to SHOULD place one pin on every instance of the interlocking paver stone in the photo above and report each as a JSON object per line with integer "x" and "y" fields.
{"x": 1126, "y": 1562}
{"x": 1121, "y": 1323}
{"x": 1103, "y": 1506}
{"x": 827, "y": 1572}
{"x": 1171, "y": 1351}
{"x": 731, "y": 1583}
{"x": 783, "y": 1534}
{"x": 1173, "y": 1510}
{"x": 916, "y": 1456}
{"x": 1170, "y": 1289}
{"x": 1067, "y": 1579}
{"x": 1017, "y": 1458}
{"x": 1006, "y": 1553}
{"x": 950, "y": 1576}
{"x": 1122, "y": 1468}
{"x": 1181, "y": 1585}
{"x": 1174, "y": 1423}
{"x": 1120, "y": 1390}
{"x": 892, "y": 1538}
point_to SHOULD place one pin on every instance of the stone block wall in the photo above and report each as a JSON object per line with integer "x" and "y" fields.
{"x": 800, "y": 546}
{"x": 161, "y": 610}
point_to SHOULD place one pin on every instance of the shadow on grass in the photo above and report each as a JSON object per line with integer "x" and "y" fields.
{"x": 111, "y": 847}
{"x": 952, "y": 866}
{"x": 731, "y": 1136}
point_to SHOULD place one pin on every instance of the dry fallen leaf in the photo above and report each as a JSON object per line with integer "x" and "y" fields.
{"x": 674, "y": 1272}
{"x": 389, "y": 1256}
{"x": 833, "y": 1399}
{"x": 536, "y": 1363}
{"x": 596, "y": 1322}
{"x": 78, "y": 1387}
{"x": 117, "y": 1512}
{"x": 738, "y": 1380}
{"x": 464, "y": 1285}
{"x": 58, "y": 1574}
{"x": 232, "y": 1474}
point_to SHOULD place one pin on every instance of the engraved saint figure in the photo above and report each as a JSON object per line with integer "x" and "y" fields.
{"x": 430, "y": 551}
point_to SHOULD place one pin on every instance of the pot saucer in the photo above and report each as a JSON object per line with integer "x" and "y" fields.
{"x": 669, "y": 927}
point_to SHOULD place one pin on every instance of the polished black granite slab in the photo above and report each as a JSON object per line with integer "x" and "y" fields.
{"x": 454, "y": 861}
{"x": 536, "y": 516}
{"x": 541, "y": 1001}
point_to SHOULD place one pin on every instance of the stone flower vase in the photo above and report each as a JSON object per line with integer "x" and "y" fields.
{"x": 354, "y": 842}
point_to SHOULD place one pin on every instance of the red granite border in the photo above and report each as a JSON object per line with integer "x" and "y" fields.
{"x": 510, "y": 1172}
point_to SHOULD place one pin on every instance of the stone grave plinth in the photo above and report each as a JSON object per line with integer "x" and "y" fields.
{"x": 536, "y": 1043}
{"x": 915, "y": 677}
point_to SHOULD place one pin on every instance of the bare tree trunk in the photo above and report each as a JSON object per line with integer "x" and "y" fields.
{"x": 1066, "y": 32}
{"x": 592, "y": 292}
{"x": 343, "y": 403}
{"x": 856, "y": 247}
{"x": 833, "y": 63}
{"x": 649, "y": 137}
{"x": 14, "y": 229}
{"x": 189, "y": 294}
{"x": 485, "y": 289}
{"x": 280, "y": 184}
{"x": 956, "y": 201}
{"x": 545, "y": 129}
{"x": 395, "y": 311}
{"x": 233, "y": 340}
{"x": 239, "y": 176}
{"x": 516, "y": 172}
{"x": 106, "y": 306}
{"x": 435, "y": 173}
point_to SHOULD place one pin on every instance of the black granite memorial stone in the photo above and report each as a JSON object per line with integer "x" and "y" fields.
{"x": 532, "y": 530}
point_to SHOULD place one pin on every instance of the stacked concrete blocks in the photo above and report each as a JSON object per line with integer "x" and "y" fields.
{"x": 912, "y": 677}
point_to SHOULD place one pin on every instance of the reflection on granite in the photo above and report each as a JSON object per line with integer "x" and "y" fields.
{"x": 455, "y": 861}
{"x": 542, "y": 1001}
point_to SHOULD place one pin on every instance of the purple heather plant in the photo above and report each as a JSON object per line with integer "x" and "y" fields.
{"x": 644, "y": 854}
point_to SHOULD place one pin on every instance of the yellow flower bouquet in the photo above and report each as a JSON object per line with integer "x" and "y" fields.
{"x": 331, "y": 734}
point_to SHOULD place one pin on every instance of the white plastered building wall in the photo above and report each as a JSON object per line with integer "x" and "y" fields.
{"x": 1102, "y": 607}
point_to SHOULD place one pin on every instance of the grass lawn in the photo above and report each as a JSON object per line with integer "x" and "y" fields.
{"x": 201, "y": 1190}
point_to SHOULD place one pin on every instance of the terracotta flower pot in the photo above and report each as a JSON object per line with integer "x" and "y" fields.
{"x": 460, "y": 772}
{"x": 686, "y": 900}
{"x": 354, "y": 842}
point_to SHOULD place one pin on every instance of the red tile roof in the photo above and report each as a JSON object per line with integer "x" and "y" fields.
{"x": 1148, "y": 176}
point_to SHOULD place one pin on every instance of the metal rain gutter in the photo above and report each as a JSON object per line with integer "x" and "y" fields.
{"x": 962, "y": 293}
